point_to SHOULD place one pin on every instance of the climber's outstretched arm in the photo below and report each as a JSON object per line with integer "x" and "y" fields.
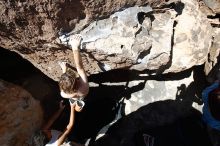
{"x": 75, "y": 41}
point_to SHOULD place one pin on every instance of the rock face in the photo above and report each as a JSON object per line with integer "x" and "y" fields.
{"x": 31, "y": 28}
{"x": 20, "y": 115}
{"x": 212, "y": 65}
{"x": 214, "y": 5}
{"x": 160, "y": 36}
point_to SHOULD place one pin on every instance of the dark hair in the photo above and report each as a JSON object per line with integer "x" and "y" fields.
{"x": 67, "y": 81}
{"x": 214, "y": 104}
{"x": 39, "y": 138}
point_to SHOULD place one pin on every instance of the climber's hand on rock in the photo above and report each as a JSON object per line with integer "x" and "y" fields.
{"x": 75, "y": 41}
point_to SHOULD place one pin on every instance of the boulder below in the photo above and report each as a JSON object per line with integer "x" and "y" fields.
{"x": 20, "y": 115}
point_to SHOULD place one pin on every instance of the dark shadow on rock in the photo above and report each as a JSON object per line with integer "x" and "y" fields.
{"x": 193, "y": 92}
{"x": 168, "y": 122}
{"x": 102, "y": 104}
{"x": 14, "y": 67}
{"x": 103, "y": 101}
{"x": 125, "y": 75}
{"x": 173, "y": 123}
{"x": 19, "y": 71}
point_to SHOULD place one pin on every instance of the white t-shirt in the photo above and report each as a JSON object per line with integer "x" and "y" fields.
{"x": 55, "y": 135}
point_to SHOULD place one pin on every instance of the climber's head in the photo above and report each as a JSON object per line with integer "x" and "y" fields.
{"x": 39, "y": 139}
{"x": 68, "y": 84}
{"x": 214, "y": 103}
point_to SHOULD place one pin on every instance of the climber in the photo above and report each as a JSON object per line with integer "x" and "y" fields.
{"x": 74, "y": 85}
{"x": 53, "y": 137}
{"x": 211, "y": 111}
